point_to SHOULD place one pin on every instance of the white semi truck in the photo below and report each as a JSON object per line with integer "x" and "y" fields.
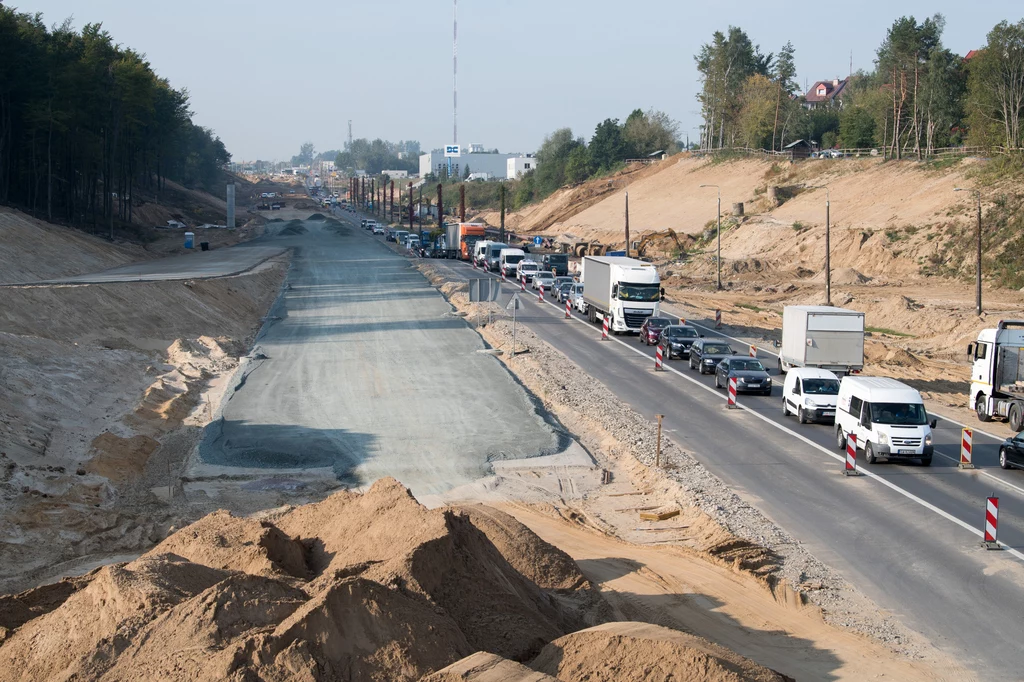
{"x": 823, "y": 337}
{"x": 625, "y": 290}
{"x": 997, "y": 377}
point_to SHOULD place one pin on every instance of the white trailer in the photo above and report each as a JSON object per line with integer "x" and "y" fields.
{"x": 823, "y": 337}
{"x": 625, "y": 290}
{"x": 997, "y": 376}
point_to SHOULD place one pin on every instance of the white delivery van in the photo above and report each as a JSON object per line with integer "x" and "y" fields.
{"x": 480, "y": 251}
{"x": 810, "y": 393}
{"x": 887, "y": 417}
{"x": 508, "y": 261}
{"x": 493, "y": 259}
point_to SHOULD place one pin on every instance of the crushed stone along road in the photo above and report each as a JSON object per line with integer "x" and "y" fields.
{"x": 368, "y": 373}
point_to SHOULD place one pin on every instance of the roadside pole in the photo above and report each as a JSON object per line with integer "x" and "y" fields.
{"x": 657, "y": 454}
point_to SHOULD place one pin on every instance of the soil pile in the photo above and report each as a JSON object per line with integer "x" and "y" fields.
{"x": 639, "y": 651}
{"x": 367, "y": 586}
{"x": 293, "y": 230}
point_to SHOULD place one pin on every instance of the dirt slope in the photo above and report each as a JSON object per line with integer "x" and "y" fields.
{"x": 358, "y": 587}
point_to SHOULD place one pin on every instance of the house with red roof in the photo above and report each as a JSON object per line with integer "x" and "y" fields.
{"x": 826, "y": 93}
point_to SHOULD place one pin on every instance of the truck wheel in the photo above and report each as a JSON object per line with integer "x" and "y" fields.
{"x": 926, "y": 461}
{"x": 979, "y": 409}
{"x": 840, "y": 438}
{"x": 1016, "y": 417}
{"x": 869, "y": 454}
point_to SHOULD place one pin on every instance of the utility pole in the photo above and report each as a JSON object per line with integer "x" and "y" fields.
{"x": 502, "y": 238}
{"x": 719, "y": 256}
{"x": 462, "y": 203}
{"x": 627, "y": 224}
{"x": 410, "y": 209}
{"x": 977, "y": 194}
{"x": 828, "y": 244}
{"x": 393, "y": 201}
{"x": 440, "y": 211}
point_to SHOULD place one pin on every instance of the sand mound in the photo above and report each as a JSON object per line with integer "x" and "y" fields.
{"x": 317, "y": 216}
{"x": 485, "y": 667}
{"x": 357, "y": 587}
{"x": 639, "y": 651}
{"x": 294, "y": 230}
{"x": 843, "y": 276}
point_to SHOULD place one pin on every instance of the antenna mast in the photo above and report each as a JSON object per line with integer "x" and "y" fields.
{"x": 455, "y": 72}
{"x": 350, "y": 134}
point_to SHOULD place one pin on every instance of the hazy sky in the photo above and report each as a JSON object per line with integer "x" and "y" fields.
{"x": 267, "y": 76}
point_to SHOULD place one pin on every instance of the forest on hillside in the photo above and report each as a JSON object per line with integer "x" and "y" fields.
{"x": 85, "y": 123}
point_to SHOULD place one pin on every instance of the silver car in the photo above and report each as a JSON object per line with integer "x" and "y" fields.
{"x": 543, "y": 278}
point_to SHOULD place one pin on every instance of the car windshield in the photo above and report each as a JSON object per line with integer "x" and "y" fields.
{"x": 532, "y": 268}
{"x": 746, "y": 366}
{"x": 682, "y": 332}
{"x": 907, "y": 414}
{"x": 657, "y": 322}
{"x": 639, "y": 292}
{"x": 821, "y": 386}
{"x": 512, "y": 260}
{"x": 717, "y": 349}
{"x": 558, "y": 259}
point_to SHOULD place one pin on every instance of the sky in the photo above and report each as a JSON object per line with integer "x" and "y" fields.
{"x": 268, "y": 76}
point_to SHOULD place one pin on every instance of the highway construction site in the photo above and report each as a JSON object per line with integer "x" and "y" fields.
{"x": 328, "y": 465}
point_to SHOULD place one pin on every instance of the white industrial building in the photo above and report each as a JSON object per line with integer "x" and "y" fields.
{"x": 493, "y": 165}
{"x": 395, "y": 174}
{"x": 517, "y": 165}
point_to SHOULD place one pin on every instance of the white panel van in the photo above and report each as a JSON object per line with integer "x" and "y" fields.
{"x": 887, "y": 417}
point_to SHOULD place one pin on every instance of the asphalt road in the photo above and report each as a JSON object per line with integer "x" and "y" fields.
{"x": 906, "y": 535}
{"x": 197, "y": 265}
{"x": 368, "y": 373}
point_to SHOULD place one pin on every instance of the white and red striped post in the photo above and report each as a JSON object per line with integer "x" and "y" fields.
{"x": 522, "y": 283}
{"x": 503, "y": 278}
{"x": 718, "y": 319}
{"x": 991, "y": 522}
{"x": 659, "y": 359}
{"x": 604, "y": 328}
{"x": 753, "y": 351}
{"x": 732, "y": 393}
{"x": 850, "y": 467}
{"x": 568, "y": 308}
{"x": 540, "y": 291}
{"x": 474, "y": 263}
{"x": 966, "y": 448}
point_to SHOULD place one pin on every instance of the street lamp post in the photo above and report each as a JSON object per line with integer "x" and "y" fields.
{"x": 718, "y": 258}
{"x": 977, "y": 194}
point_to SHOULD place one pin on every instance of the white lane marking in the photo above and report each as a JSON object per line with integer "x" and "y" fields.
{"x": 839, "y": 458}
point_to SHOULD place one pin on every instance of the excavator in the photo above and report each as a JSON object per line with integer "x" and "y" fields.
{"x": 595, "y": 248}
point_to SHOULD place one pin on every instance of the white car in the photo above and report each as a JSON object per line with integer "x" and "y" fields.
{"x": 576, "y": 296}
{"x": 810, "y": 393}
{"x": 527, "y": 269}
{"x": 543, "y": 278}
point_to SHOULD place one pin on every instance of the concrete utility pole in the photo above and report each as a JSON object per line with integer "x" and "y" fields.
{"x": 462, "y": 203}
{"x": 410, "y": 209}
{"x": 977, "y": 194}
{"x": 440, "y": 209}
{"x": 627, "y": 224}
{"x": 828, "y": 245}
{"x": 718, "y": 258}
{"x": 393, "y": 201}
{"x": 502, "y": 238}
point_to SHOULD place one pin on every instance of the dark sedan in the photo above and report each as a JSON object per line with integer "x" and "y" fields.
{"x": 676, "y": 340}
{"x": 750, "y": 375}
{"x": 705, "y": 354}
{"x": 562, "y": 291}
{"x": 651, "y": 329}
{"x": 1011, "y": 452}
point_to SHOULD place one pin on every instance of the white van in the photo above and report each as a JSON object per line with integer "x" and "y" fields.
{"x": 887, "y": 417}
{"x": 480, "y": 251}
{"x": 509, "y": 260}
{"x": 493, "y": 256}
{"x": 527, "y": 269}
{"x": 810, "y": 393}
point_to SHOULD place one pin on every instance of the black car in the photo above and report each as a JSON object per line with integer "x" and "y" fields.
{"x": 562, "y": 290}
{"x": 1011, "y": 452}
{"x": 751, "y": 376}
{"x": 362, "y": 223}
{"x": 650, "y": 330}
{"x": 705, "y": 354}
{"x": 676, "y": 340}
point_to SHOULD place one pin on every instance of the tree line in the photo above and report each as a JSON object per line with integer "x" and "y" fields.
{"x": 379, "y": 155}
{"x": 84, "y": 123}
{"x": 919, "y": 97}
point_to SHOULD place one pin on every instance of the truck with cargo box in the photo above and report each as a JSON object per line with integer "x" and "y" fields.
{"x": 625, "y": 290}
{"x": 822, "y": 336}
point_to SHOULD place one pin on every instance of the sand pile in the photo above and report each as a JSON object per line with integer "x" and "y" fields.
{"x": 639, "y": 651}
{"x": 357, "y": 587}
{"x": 293, "y": 228}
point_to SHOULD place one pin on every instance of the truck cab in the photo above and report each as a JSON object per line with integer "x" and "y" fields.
{"x": 624, "y": 290}
{"x": 997, "y": 373}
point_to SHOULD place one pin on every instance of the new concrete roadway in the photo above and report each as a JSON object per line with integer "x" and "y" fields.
{"x": 363, "y": 371}
{"x": 907, "y": 536}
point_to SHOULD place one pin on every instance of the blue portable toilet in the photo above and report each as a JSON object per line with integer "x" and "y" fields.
{"x": 190, "y": 238}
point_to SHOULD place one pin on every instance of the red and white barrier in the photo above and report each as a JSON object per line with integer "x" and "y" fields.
{"x": 522, "y": 283}
{"x": 474, "y": 263}
{"x": 732, "y": 393}
{"x": 718, "y": 319}
{"x": 850, "y": 468}
{"x": 659, "y": 359}
{"x": 991, "y": 521}
{"x": 753, "y": 351}
{"x": 540, "y": 291}
{"x": 568, "y": 308}
{"x": 604, "y": 328}
{"x": 503, "y": 278}
{"x": 966, "y": 449}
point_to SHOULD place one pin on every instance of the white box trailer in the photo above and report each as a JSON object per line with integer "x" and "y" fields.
{"x": 625, "y": 290}
{"x": 822, "y": 336}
